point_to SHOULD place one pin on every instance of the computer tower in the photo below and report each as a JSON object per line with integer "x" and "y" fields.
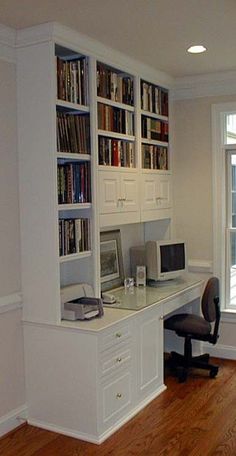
{"x": 137, "y": 258}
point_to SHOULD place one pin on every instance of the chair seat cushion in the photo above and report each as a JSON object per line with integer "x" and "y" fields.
{"x": 189, "y": 324}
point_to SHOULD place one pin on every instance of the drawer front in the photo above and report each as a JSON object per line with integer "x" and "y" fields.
{"x": 179, "y": 301}
{"x": 115, "y": 336}
{"x": 116, "y": 396}
{"x": 112, "y": 362}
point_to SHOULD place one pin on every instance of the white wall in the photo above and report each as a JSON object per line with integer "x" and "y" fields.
{"x": 192, "y": 166}
{"x": 12, "y": 391}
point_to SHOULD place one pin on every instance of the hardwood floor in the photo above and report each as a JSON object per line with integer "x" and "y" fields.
{"x": 197, "y": 418}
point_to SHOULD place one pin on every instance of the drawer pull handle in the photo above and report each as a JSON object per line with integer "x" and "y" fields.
{"x": 118, "y": 360}
{"x": 118, "y": 396}
{"x": 118, "y": 335}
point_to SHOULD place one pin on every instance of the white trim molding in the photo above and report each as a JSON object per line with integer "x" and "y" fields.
{"x": 220, "y": 350}
{"x": 200, "y": 266}
{"x": 205, "y": 85}
{"x": 10, "y": 302}
{"x": 13, "y": 419}
{"x": 7, "y": 44}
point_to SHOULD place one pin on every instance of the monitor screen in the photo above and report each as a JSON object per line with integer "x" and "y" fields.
{"x": 172, "y": 257}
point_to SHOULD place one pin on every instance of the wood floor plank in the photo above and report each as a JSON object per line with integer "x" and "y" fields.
{"x": 197, "y": 418}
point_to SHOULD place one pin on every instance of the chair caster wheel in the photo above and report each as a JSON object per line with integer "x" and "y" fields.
{"x": 214, "y": 372}
{"x": 182, "y": 374}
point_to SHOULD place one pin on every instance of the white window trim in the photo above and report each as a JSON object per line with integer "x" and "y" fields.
{"x": 219, "y": 192}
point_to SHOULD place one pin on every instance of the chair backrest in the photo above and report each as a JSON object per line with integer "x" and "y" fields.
{"x": 211, "y": 307}
{"x": 210, "y": 300}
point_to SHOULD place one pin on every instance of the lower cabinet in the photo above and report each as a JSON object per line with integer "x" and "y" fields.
{"x": 89, "y": 383}
{"x": 149, "y": 352}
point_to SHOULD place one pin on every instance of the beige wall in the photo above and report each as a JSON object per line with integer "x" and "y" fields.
{"x": 12, "y": 393}
{"x": 9, "y": 209}
{"x": 192, "y": 166}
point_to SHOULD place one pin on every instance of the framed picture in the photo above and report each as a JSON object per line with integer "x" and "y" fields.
{"x": 112, "y": 271}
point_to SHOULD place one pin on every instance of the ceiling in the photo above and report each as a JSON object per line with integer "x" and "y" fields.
{"x": 156, "y": 32}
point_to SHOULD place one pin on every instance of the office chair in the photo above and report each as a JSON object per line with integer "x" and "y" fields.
{"x": 197, "y": 328}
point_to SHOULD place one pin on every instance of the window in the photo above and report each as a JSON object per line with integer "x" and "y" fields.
{"x": 224, "y": 200}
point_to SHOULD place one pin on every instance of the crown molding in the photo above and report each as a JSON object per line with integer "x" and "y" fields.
{"x": 7, "y": 44}
{"x": 205, "y": 85}
{"x": 211, "y": 84}
{"x": 52, "y": 31}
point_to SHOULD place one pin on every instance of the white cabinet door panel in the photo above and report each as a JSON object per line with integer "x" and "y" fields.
{"x": 164, "y": 199}
{"x": 149, "y": 192}
{"x": 109, "y": 192}
{"x": 150, "y": 352}
{"x": 129, "y": 192}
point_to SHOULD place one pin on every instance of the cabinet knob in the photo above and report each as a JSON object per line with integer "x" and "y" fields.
{"x": 118, "y": 360}
{"x": 161, "y": 318}
{"x": 118, "y": 396}
{"x": 118, "y": 335}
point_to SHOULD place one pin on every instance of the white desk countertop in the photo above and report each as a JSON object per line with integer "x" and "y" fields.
{"x": 128, "y": 303}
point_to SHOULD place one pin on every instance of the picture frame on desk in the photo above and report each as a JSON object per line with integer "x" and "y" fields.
{"x": 111, "y": 260}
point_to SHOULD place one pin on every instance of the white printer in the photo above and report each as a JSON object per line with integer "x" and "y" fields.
{"x": 78, "y": 302}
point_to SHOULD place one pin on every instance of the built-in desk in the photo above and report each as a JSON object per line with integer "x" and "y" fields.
{"x": 86, "y": 379}
{"x": 159, "y": 293}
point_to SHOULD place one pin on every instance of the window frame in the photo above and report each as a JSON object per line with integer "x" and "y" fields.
{"x": 221, "y": 198}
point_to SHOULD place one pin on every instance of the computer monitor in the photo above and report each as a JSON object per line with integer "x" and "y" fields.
{"x": 165, "y": 259}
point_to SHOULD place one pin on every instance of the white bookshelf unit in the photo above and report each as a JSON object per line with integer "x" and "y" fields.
{"x": 81, "y": 171}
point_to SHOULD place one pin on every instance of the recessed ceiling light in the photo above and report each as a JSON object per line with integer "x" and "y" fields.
{"x": 196, "y": 49}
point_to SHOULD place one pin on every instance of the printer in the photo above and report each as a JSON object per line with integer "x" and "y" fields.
{"x": 78, "y": 303}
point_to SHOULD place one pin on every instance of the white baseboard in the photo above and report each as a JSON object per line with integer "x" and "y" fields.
{"x": 12, "y": 420}
{"x": 220, "y": 351}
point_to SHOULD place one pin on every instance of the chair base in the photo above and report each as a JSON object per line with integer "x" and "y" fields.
{"x": 181, "y": 365}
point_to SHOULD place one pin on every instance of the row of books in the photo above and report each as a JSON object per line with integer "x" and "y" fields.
{"x": 115, "y": 119}
{"x": 73, "y": 133}
{"x": 154, "y": 99}
{"x": 114, "y": 86}
{"x": 154, "y": 157}
{"x": 72, "y": 80}
{"x": 113, "y": 152}
{"x": 74, "y": 236}
{"x": 73, "y": 183}
{"x": 154, "y": 129}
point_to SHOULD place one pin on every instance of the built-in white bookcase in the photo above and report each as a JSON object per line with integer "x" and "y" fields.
{"x": 56, "y": 173}
{"x": 119, "y": 192}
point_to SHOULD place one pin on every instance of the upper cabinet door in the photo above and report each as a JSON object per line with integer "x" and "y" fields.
{"x": 164, "y": 194}
{"x": 109, "y": 192}
{"x": 149, "y": 192}
{"x": 156, "y": 198}
{"x": 129, "y": 192}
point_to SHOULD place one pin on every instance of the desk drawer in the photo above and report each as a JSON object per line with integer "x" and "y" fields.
{"x": 175, "y": 303}
{"x": 116, "y": 396}
{"x": 112, "y": 362}
{"x": 115, "y": 336}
